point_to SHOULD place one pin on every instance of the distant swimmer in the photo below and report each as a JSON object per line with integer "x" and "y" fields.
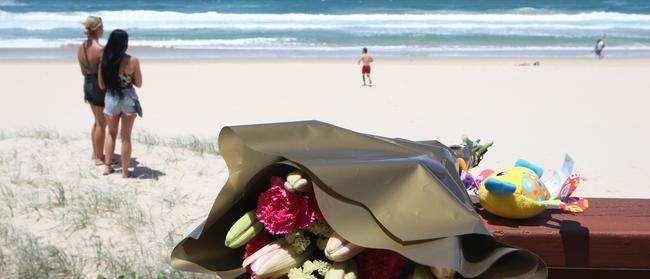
{"x": 365, "y": 69}
{"x": 599, "y": 48}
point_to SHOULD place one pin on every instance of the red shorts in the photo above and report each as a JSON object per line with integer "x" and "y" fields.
{"x": 365, "y": 69}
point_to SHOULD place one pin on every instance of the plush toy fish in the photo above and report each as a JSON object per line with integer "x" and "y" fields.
{"x": 519, "y": 193}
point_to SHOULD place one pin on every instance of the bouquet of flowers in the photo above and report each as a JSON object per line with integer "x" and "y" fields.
{"x": 287, "y": 235}
{"x": 312, "y": 200}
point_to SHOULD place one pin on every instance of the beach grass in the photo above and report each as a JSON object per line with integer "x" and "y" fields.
{"x": 193, "y": 143}
{"x": 25, "y": 256}
{"x": 62, "y": 219}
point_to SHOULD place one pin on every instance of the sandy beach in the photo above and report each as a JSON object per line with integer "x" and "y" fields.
{"x": 60, "y": 210}
{"x": 593, "y": 110}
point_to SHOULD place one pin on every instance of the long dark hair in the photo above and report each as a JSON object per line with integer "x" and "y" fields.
{"x": 114, "y": 52}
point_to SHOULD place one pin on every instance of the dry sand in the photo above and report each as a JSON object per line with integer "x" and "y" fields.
{"x": 594, "y": 110}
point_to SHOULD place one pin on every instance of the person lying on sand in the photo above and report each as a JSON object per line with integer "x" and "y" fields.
{"x": 366, "y": 59}
{"x": 536, "y": 63}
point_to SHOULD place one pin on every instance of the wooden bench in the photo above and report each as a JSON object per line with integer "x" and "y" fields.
{"x": 610, "y": 240}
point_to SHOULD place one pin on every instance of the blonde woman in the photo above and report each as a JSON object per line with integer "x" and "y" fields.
{"x": 89, "y": 55}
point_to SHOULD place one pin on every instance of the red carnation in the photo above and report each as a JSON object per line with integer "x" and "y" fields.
{"x": 380, "y": 264}
{"x": 281, "y": 211}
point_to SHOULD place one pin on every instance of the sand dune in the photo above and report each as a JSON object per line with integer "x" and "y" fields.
{"x": 62, "y": 219}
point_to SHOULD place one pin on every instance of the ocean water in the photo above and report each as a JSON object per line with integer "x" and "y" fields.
{"x": 336, "y": 27}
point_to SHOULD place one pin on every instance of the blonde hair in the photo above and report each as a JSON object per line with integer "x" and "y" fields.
{"x": 92, "y": 24}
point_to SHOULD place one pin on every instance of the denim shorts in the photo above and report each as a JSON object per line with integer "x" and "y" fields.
{"x": 114, "y": 105}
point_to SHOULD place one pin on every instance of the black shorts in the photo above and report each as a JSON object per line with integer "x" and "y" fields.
{"x": 92, "y": 93}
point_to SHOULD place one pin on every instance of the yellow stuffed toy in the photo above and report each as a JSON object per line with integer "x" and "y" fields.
{"x": 515, "y": 192}
{"x": 519, "y": 193}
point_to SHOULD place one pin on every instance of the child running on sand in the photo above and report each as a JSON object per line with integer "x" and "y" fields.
{"x": 365, "y": 69}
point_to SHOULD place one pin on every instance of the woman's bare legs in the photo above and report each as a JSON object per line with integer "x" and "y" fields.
{"x": 97, "y": 134}
{"x": 125, "y": 135}
{"x": 113, "y": 122}
{"x": 92, "y": 142}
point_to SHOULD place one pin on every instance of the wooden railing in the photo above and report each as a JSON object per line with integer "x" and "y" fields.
{"x": 610, "y": 240}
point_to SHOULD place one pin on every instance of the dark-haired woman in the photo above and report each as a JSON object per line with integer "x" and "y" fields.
{"x": 89, "y": 55}
{"x": 119, "y": 72}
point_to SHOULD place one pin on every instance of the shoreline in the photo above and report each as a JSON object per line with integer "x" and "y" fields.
{"x": 325, "y": 60}
{"x": 176, "y": 53}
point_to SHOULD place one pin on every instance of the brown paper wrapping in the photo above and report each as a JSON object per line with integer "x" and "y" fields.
{"x": 375, "y": 192}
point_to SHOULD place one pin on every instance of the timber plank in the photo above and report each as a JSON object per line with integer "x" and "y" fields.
{"x": 611, "y": 234}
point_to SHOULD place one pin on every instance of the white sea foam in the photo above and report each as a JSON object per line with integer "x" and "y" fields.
{"x": 411, "y": 33}
{"x": 262, "y": 43}
{"x": 175, "y": 20}
{"x": 285, "y": 44}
